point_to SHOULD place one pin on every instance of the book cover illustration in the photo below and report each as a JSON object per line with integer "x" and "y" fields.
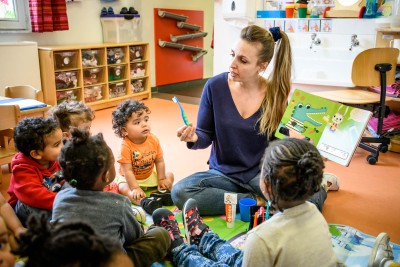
{"x": 334, "y": 128}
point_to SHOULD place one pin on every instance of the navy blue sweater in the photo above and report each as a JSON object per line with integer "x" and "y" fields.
{"x": 237, "y": 146}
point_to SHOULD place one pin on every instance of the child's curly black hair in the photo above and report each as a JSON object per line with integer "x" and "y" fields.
{"x": 83, "y": 158}
{"x": 124, "y": 111}
{"x": 62, "y": 113}
{"x": 294, "y": 168}
{"x": 64, "y": 244}
{"x": 30, "y": 132}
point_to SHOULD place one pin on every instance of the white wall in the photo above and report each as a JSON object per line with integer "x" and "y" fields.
{"x": 85, "y": 26}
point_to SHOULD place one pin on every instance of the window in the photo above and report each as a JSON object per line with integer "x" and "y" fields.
{"x": 14, "y": 16}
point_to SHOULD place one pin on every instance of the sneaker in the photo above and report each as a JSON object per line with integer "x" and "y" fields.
{"x": 132, "y": 10}
{"x": 139, "y": 214}
{"x": 381, "y": 252}
{"x": 330, "y": 182}
{"x": 124, "y": 10}
{"x": 165, "y": 196}
{"x": 193, "y": 223}
{"x": 150, "y": 204}
{"x": 110, "y": 11}
{"x": 103, "y": 12}
{"x": 166, "y": 219}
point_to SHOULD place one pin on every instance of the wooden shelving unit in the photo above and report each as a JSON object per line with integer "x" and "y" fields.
{"x": 101, "y": 75}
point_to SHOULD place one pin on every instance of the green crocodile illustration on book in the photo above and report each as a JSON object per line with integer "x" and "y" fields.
{"x": 300, "y": 115}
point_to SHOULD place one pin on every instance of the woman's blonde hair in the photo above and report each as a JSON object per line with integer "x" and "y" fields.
{"x": 278, "y": 84}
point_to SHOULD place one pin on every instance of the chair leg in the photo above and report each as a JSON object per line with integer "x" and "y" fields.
{"x": 9, "y": 168}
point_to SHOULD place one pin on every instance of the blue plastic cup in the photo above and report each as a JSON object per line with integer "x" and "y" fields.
{"x": 244, "y": 207}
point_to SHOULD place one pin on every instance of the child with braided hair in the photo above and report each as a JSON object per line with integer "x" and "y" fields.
{"x": 87, "y": 164}
{"x": 67, "y": 244}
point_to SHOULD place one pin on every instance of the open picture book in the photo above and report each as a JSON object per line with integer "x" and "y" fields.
{"x": 334, "y": 128}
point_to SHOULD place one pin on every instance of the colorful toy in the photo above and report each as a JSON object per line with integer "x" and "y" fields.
{"x": 184, "y": 117}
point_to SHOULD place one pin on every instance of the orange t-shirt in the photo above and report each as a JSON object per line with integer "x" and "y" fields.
{"x": 141, "y": 156}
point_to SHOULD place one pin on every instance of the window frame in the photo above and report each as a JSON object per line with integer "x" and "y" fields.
{"x": 21, "y": 23}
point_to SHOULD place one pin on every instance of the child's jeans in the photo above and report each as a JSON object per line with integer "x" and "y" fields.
{"x": 23, "y": 211}
{"x": 212, "y": 251}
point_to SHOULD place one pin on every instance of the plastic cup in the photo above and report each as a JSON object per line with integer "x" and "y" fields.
{"x": 244, "y": 207}
{"x": 302, "y": 11}
{"x": 289, "y": 10}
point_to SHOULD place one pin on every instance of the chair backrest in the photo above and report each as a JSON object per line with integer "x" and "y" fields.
{"x": 363, "y": 71}
{"x": 10, "y": 116}
{"x": 23, "y": 91}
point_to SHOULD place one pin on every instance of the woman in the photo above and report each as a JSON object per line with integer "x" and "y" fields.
{"x": 238, "y": 115}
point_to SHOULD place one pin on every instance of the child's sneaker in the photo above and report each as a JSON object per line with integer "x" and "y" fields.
{"x": 381, "y": 252}
{"x": 330, "y": 182}
{"x": 166, "y": 219}
{"x": 150, "y": 204}
{"x": 193, "y": 223}
{"x": 165, "y": 196}
{"x": 139, "y": 214}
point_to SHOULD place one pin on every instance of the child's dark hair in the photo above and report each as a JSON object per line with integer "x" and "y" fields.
{"x": 64, "y": 244}
{"x": 124, "y": 111}
{"x": 294, "y": 168}
{"x": 83, "y": 158}
{"x": 63, "y": 111}
{"x": 30, "y": 132}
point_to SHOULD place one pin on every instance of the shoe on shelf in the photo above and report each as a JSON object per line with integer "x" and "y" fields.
{"x": 103, "y": 12}
{"x": 381, "y": 252}
{"x": 139, "y": 214}
{"x": 166, "y": 219}
{"x": 124, "y": 10}
{"x": 110, "y": 11}
{"x": 330, "y": 182}
{"x": 132, "y": 10}
{"x": 193, "y": 223}
{"x": 150, "y": 204}
{"x": 165, "y": 196}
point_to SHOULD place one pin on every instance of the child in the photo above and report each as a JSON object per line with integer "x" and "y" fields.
{"x": 88, "y": 166}
{"x": 76, "y": 114}
{"x": 69, "y": 244}
{"x": 297, "y": 235}
{"x": 72, "y": 113}
{"x": 6, "y": 257}
{"x": 35, "y": 178}
{"x": 140, "y": 152}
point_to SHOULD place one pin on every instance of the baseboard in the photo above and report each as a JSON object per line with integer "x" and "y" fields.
{"x": 178, "y": 86}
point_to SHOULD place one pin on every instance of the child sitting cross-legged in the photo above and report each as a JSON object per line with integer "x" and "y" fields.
{"x": 296, "y": 235}
{"x": 88, "y": 165}
{"x": 141, "y": 158}
{"x": 35, "y": 178}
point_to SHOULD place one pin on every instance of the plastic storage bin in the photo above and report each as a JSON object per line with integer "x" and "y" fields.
{"x": 117, "y": 89}
{"x": 93, "y": 76}
{"x": 67, "y": 95}
{"x": 136, "y": 53}
{"x": 138, "y": 70}
{"x": 65, "y": 60}
{"x": 137, "y": 86}
{"x": 93, "y": 93}
{"x": 92, "y": 58}
{"x": 120, "y": 30}
{"x": 66, "y": 80}
{"x": 116, "y": 73}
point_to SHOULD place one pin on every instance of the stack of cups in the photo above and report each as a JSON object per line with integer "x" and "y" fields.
{"x": 289, "y": 9}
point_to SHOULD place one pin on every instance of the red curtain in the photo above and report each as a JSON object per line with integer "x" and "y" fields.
{"x": 48, "y": 15}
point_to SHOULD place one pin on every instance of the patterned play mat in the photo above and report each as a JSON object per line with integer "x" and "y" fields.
{"x": 351, "y": 246}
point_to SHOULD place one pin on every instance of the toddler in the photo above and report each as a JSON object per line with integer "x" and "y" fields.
{"x": 296, "y": 235}
{"x": 35, "y": 178}
{"x": 88, "y": 166}
{"x": 72, "y": 114}
{"x": 141, "y": 158}
{"x": 64, "y": 244}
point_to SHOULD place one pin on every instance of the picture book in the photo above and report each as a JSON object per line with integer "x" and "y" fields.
{"x": 23, "y": 103}
{"x": 334, "y": 128}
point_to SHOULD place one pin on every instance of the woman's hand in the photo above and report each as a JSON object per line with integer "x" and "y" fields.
{"x": 187, "y": 134}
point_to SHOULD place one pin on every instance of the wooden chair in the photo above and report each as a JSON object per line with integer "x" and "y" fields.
{"x": 10, "y": 116}
{"x": 371, "y": 67}
{"x": 23, "y": 91}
